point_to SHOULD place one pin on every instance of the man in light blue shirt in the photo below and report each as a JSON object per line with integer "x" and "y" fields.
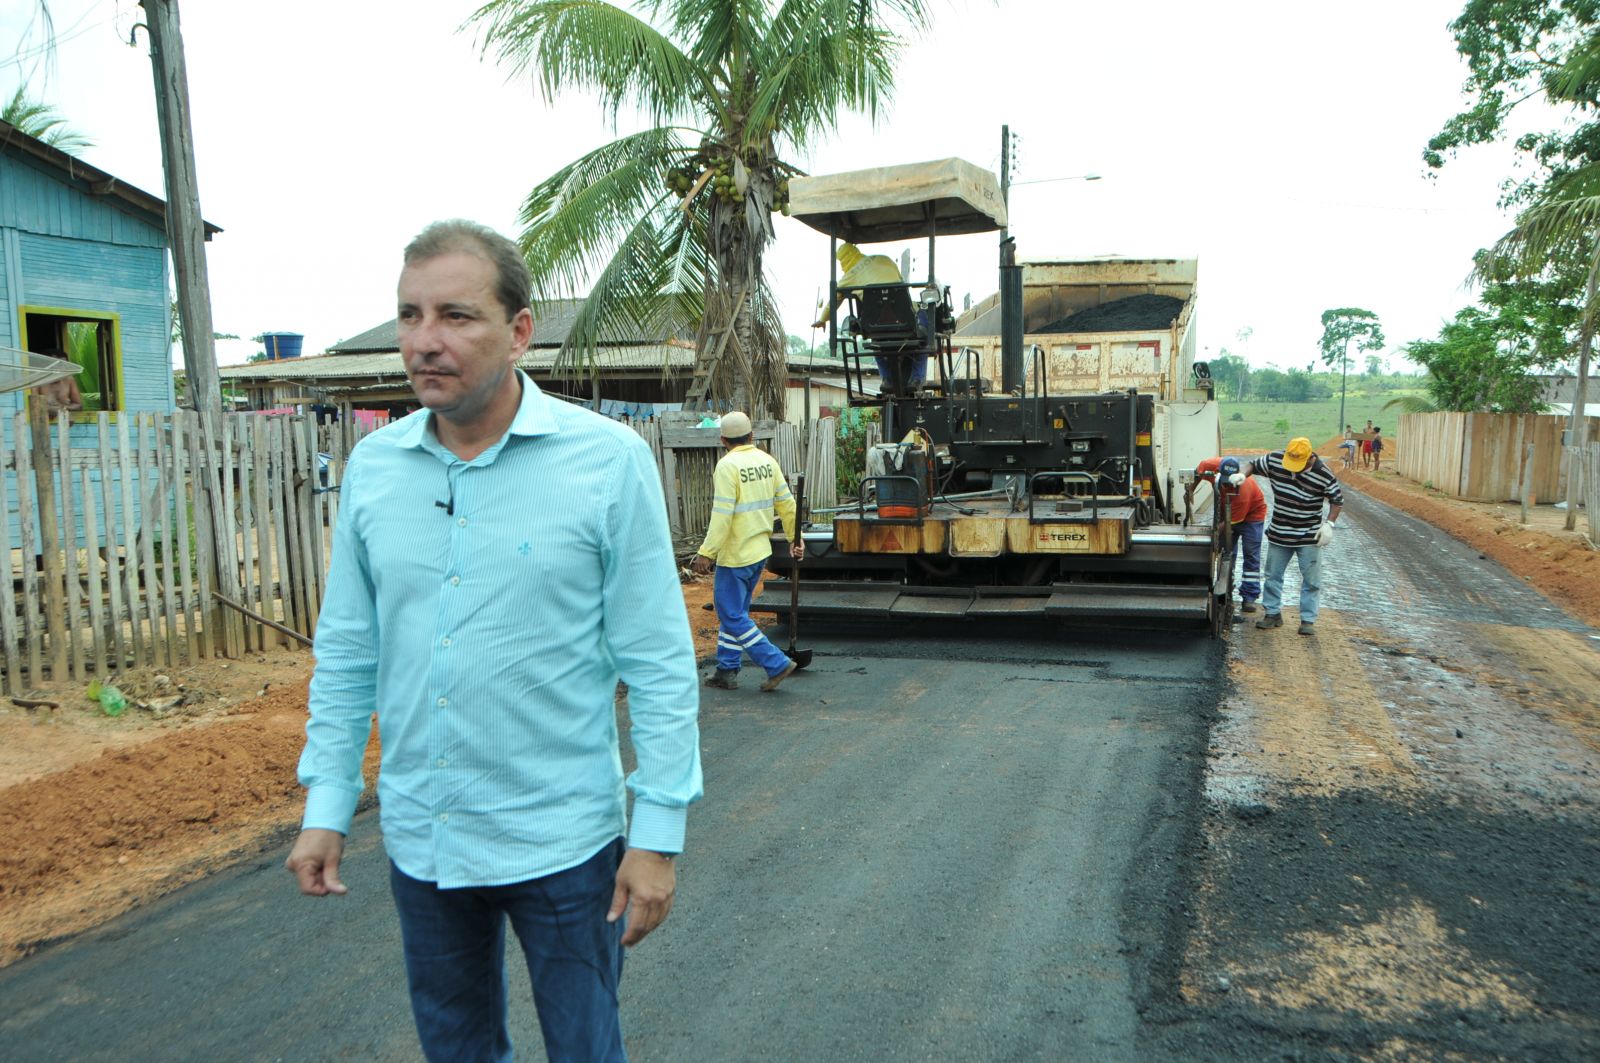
{"x": 501, "y": 560}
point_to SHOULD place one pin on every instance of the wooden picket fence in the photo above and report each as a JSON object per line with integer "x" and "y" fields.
{"x": 112, "y": 561}
{"x": 686, "y": 457}
{"x": 1483, "y": 457}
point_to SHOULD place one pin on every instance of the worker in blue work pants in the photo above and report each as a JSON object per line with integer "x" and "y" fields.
{"x": 749, "y": 493}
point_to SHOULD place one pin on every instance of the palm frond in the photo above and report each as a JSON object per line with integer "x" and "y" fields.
{"x": 1578, "y": 80}
{"x": 1563, "y": 222}
{"x": 591, "y": 44}
{"x": 42, "y": 122}
{"x": 1412, "y": 404}
{"x": 574, "y": 219}
{"x": 651, "y": 286}
{"x": 824, "y": 57}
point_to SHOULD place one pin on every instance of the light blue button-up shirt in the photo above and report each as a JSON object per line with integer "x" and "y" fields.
{"x": 485, "y": 610}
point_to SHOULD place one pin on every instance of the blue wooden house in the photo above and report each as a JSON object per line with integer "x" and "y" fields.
{"x": 83, "y": 269}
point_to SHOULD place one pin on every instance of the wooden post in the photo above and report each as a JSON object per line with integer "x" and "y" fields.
{"x": 1527, "y": 480}
{"x": 55, "y": 615}
{"x": 186, "y": 239}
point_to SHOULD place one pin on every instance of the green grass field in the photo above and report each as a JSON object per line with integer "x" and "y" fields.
{"x": 1257, "y": 427}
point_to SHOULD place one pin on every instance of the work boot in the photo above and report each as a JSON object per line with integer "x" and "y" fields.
{"x": 725, "y": 679}
{"x": 772, "y": 681}
{"x": 1249, "y": 607}
{"x": 1270, "y": 620}
{"x": 1305, "y": 628}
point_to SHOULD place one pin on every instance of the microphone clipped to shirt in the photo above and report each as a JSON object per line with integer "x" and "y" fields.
{"x": 449, "y": 506}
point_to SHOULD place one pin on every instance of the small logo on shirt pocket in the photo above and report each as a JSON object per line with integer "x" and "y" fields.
{"x": 525, "y": 549}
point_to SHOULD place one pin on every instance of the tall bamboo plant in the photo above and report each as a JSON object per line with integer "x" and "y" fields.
{"x": 671, "y": 223}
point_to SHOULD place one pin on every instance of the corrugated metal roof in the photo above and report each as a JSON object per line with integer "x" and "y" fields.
{"x": 390, "y": 364}
{"x": 552, "y": 324}
{"x": 88, "y": 179}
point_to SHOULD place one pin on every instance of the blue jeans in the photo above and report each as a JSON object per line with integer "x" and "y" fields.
{"x": 455, "y": 961}
{"x": 1310, "y": 559}
{"x": 731, "y": 592}
{"x": 1247, "y": 540}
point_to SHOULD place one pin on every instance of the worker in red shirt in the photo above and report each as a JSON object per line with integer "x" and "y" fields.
{"x": 1248, "y": 512}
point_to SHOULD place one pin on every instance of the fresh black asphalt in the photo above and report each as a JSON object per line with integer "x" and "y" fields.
{"x": 932, "y": 844}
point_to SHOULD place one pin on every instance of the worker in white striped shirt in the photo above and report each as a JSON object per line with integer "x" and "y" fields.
{"x": 1301, "y": 484}
{"x": 749, "y": 493}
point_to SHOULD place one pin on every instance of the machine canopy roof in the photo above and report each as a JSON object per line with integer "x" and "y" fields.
{"x": 943, "y": 198}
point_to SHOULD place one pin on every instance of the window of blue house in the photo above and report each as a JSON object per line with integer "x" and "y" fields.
{"x": 91, "y": 339}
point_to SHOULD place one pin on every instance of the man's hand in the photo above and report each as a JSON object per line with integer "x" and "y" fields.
{"x": 314, "y": 862}
{"x": 646, "y": 884}
{"x": 702, "y": 564}
{"x": 1325, "y": 534}
{"x": 797, "y": 551}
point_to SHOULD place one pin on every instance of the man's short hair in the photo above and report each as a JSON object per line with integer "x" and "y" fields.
{"x": 513, "y": 286}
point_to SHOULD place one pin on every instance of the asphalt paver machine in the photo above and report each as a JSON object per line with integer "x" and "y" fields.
{"x": 1029, "y": 467}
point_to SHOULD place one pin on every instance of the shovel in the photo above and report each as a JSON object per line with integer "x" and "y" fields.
{"x": 801, "y": 658}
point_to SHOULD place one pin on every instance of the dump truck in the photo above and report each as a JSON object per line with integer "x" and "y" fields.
{"x": 1038, "y": 453}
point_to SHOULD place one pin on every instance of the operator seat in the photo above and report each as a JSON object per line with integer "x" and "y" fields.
{"x": 895, "y": 333}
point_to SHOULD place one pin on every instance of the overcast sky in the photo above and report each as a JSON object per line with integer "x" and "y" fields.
{"x": 1278, "y": 143}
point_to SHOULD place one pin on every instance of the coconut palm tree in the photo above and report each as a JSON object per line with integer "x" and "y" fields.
{"x": 42, "y": 121}
{"x": 1563, "y": 223}
{"x": 672, "y": 222}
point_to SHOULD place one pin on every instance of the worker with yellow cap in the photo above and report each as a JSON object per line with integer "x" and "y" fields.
{"x": 749, "y": 492}
{"x": 859, "y": 269}
{"x": 1301, "y": 484}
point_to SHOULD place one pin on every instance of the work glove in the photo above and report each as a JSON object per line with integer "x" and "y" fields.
{"x": 1236, "y": 480}
{"x": 1325, "y": 534}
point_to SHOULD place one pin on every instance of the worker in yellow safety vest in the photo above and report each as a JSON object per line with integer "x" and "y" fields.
{"x": 749, "y": 492}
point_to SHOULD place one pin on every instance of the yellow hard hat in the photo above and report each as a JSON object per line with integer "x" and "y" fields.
{"x": 1297, "y": 455}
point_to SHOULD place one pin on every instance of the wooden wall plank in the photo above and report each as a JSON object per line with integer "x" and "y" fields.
{"x": 130, "y": 539}
{"x": 100, "y": 636}
{"x": 205, "y": 542}
{"x": 149, "y": 526}
{"x": 9, "y": 628}
{"x": 174, "y": 527}
{"x": 118, "y": 657}
{"x": 266, "y": 584}
{"x": 190, "y": 610}
{"x": 28, "y": 533}
{"x": 73, "y": 604}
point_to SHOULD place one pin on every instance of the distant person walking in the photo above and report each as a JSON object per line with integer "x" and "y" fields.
{"x": 1247, "y": 512}
{"x": 1366, "y": 446}
{"x": 1347, "y": 447}
{"x": 1301, "y": 484}
{"x": 749, "y": 492}
{"x": 1377, "y": 448}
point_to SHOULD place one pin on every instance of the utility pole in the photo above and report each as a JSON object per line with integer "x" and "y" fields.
{"x": 1577, "y": 426}
{"x": 187, "y": 239}
{"x": 1344, "y": 371}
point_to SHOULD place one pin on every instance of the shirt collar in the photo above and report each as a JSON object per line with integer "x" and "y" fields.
{"x": 533, "y": 418}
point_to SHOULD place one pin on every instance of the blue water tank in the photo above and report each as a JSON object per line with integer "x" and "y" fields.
{"x": 282, "y": 344}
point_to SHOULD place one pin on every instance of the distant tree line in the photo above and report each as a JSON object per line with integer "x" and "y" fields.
{"x": 1236, "y": 381}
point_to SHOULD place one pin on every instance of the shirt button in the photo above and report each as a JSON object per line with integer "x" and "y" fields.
{"x": 443, "y": 702}
{"x": 455, "y": 581}
{"x": 462, "y": 521}
{"x": 444, "y": 817}
{"x": 443, "y": 763}
{"x": 445, "y": 641}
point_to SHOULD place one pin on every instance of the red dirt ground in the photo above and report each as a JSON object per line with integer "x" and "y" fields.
{"x": 104, "y": 814}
